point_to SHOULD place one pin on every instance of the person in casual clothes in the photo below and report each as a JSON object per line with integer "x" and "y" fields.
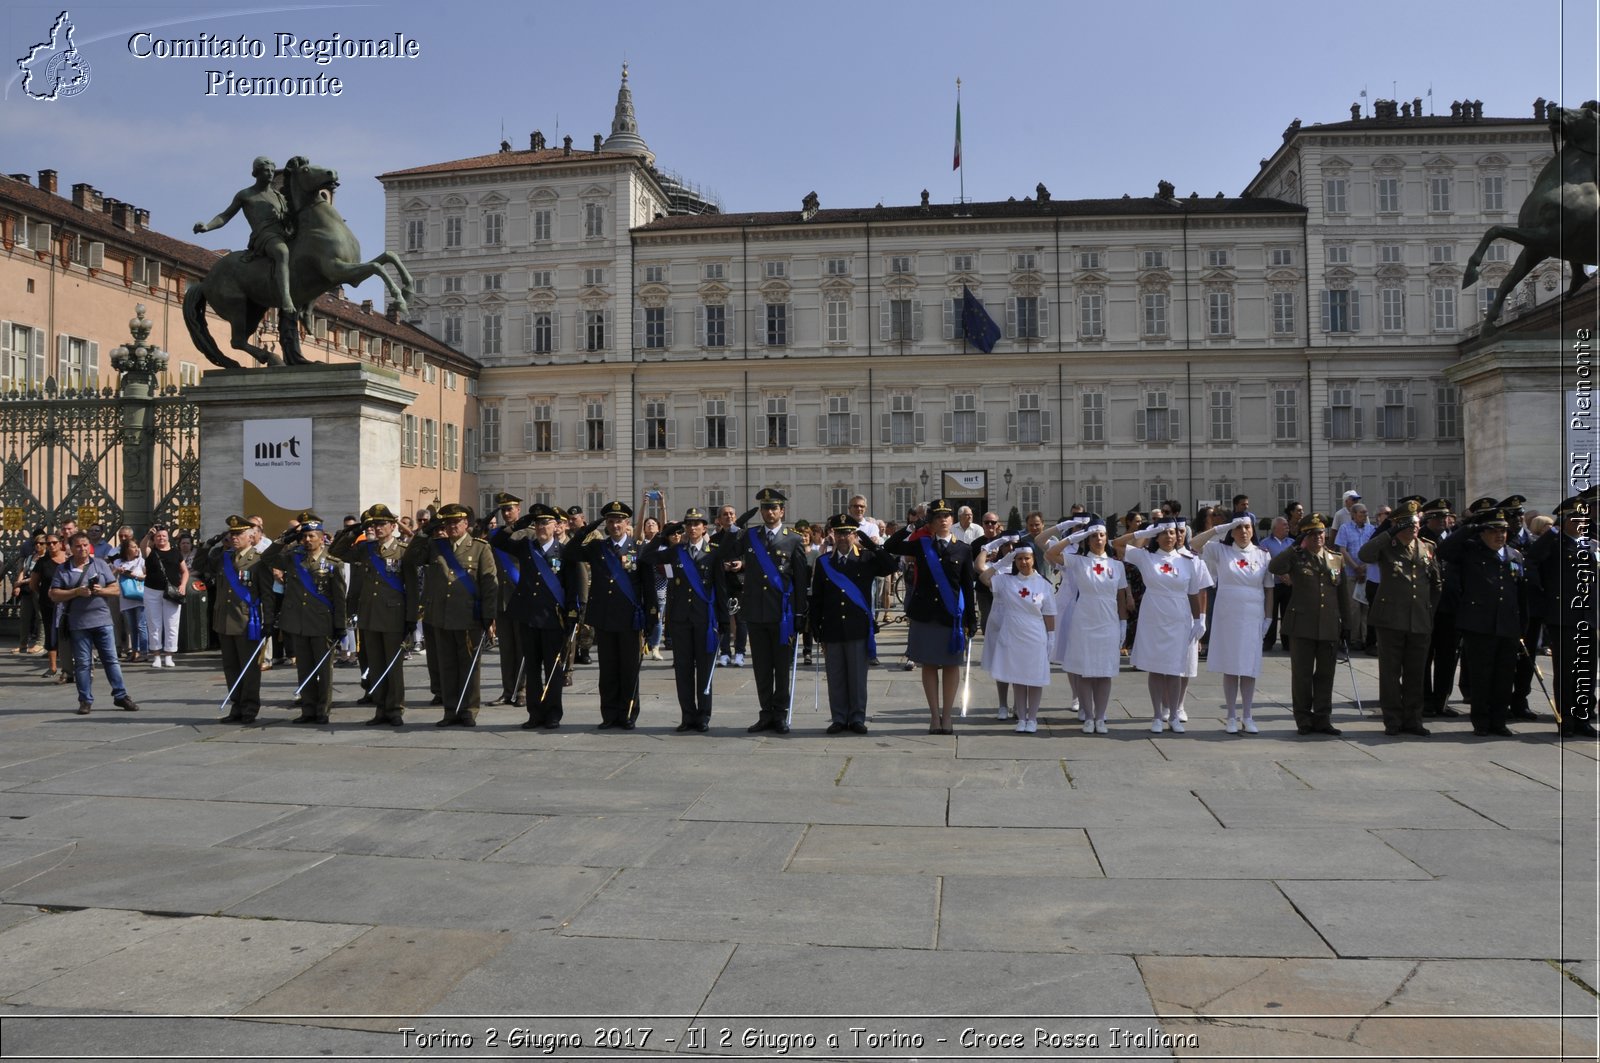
{"x": 44, "y": 572}
{"x": 128, "y": 567}
{"x": 29, "y": 627}
{"x": 1274, "y": 544}
{"x": 166, "y": 583}
{"x": 84, "y": 588}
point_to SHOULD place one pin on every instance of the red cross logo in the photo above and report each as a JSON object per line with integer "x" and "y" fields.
{"x": 1166, "y": 568}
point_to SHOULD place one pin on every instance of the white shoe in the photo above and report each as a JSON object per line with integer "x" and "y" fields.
{"x": 1177, "y": 727}
{"x": 158, "y": 661}
{"x": 722, "y": 662}
{"x": 1022, "y": 727}
{"x": 1002, "y": 713}
{"x": 1088, "y": 727}
{"x": 1100, "y": 727}
{"x": 1183, "y": 714}
{"x": 738, "y": 660}
{"x": 1232, "y": 726}
{"x": 170, "y": 662}
{"x": 1157, "y": 726}
{"x": 1033, "y": 727}
{"x": 1250, "y": 726}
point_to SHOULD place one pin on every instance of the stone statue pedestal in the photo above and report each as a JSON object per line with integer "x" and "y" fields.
{"x": 355, "y": 411}
{"x": 1516, "y": 385}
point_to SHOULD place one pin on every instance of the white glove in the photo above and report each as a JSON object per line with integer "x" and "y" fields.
{"x": 1078, "y": 536}
{"x": 1068, "y": 525}
{"x": 993, "y": 548}
{"x": 1239, "y": 522}
{"x": 1266, "y": 625}
{"x": 1198, "y": 629}
{"x": 1148, "y": 532}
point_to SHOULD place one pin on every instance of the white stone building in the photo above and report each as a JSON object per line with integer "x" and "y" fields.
{"x": 1286, "y": 344}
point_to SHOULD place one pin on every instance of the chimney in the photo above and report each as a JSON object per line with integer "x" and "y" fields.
{"x": 81, "y": 195}
{"x": 392, "y": 313}
{"x": 47, "y": 181}
{"x": 1416, "y": 106}
{"x": 536, "y": 141}
{"x": 924, "y": 197}
{"x": 597, "y": 143}
{"x": 566, "y": 144}
{"x": 108, "y": 204}
{"x": 1042, "y": 193}
{"x": 120, "y": 214}
{"x": 24, "y": 178}
{"x": 366, "y": 306}
{"x": 505, "y": 146}
{"x": 141, "y": 218}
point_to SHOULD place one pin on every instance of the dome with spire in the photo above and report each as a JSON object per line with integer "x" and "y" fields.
{"x": 625, "y": 126}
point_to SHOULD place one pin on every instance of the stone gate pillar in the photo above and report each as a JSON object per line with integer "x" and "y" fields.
{"x": 140, "y": 365}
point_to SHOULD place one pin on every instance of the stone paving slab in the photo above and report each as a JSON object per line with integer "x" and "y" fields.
{"x": 1526, "y": 811}
{"x": 1460, "y": 775}
{"x": 207, "y": 965}
{"x": 946, "y": 851}
{"x": 648, "y": 841}
{"x": 341, "y": 759}
{"x": 17, "y": 807}
{"x": 557, "y": 797}
{"x": 551, "y": 974}
{"x": 801, "y": 767}
{"x": 670, "y": 904}
{"x": 1497, "y": 854}
{"x": 1123, "y": 807}
{"x": 355, "y": 788}
{"x": 1564, "y": 771}
{"x": 557, "y": 763}
{"x": 958, "y": 773}
{"x": 72, "y": 1036}
{"x": 1310, "y": 1008}
{"x": 388, "y": 832}
{"x": 386, "y": 970}
{"x": 1188, "y": 774}
{"x": 55, "y": 943}
{"x": 12, "y": 914}
{"x": 137, "y": 780}
{"x": 904, "y": 805}
{"x": 451, "y": 894}
{"x": 156, "y": 878}
{"x": 1175, "y": 917}
{"x": 15, "y": 750}
{"x": 1445, "y": 918}
{"x": 1252, "y": 853}
{"x": 156, "y": 820}
{"x": 1338, "y": 808}
{"x": 24, "y": 858}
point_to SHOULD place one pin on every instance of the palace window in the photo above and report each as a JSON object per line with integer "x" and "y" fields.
{"x": 1283, "y": 313}
{"x": 1388, "y": 189}
{"x": 1093, "y": 415}
{"x": 1155, "y": 314}
{"x": 1285, "y": 414}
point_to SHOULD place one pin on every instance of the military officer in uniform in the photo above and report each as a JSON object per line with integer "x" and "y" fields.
{"x": 242, "y": 614}
{"x": 313, "y": 611}
{"x": 1522, "y": 682}
{"x": 1403, "y": 611}
{"x": 692, "y": 612}
{"x": 1482, "y": 577}
{"x": 1444, "y": 644}
{"x": 1562, "y": 564}
{"x": 770, "y": 560}
{"x": 615, "y": 609}
{"x": 377, "y": 599}
{"x": 513, "y": 672}
{"x": 942, "y": 606}
{"x": 841, "y": 617}
{"x": 1316, "y": 613}
{"x": 544, "y": 607}
{"x": 457, "y": 595}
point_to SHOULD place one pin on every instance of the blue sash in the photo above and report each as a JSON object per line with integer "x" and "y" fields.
{"x": 381, "y": 568}
{"x": 954, "y": 601}
{"x": 307, "y": 582}
{"x": 253, "y": 628}
{"x": 548, "y": 574}
{"x": 619, "y": 576}
{"x": 758, "y": 546}
{"x": 448, "y": 553}
{"x": 691, "y": 573}
{"x": 853, "y": 595}
{"x": 509, "y": 564}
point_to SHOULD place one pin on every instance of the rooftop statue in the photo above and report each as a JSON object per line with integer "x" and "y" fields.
{"x": 1559, "y": 217}
{"x": 300, "y": 248}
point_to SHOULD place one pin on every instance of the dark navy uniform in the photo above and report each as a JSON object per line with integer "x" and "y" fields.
{"x": 542, "y": 609}
{"x": 843, "y": 627}
{"x": 616, "y": 612}
{"x": 1485, "y": 583}
{"x": 692, "y": 621}
{"x": 312, "y": 616}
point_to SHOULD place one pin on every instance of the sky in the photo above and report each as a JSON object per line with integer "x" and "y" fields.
{"x": 761, "y": 103}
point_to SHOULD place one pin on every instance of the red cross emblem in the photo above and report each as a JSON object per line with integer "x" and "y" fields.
{"x": 1099, "y": 569}
{"x": 1023, "y": 592}
{"x": 1166, "y": 568}
{"x": 1242, "y": 563}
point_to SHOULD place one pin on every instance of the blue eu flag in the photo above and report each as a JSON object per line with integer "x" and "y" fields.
{"x": 976, "y": 324}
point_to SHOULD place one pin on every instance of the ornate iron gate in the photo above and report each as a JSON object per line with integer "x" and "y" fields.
{"x": 129, "y": 456}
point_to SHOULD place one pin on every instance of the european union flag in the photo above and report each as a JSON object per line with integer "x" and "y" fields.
{"x": 976, "y": 324}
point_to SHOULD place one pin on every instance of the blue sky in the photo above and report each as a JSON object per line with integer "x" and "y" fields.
{"x": 764, "y": 102}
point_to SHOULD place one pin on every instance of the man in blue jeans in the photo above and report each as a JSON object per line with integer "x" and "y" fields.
{"x": 84, "y": 588}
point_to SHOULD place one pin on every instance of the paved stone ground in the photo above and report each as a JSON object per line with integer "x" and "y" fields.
{"x": 312, "y": 891}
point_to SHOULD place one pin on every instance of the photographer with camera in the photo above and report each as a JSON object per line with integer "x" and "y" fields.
{"x": 83, "y": 587}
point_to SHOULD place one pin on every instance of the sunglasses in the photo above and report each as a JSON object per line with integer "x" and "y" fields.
{"x": 52, "y": 542}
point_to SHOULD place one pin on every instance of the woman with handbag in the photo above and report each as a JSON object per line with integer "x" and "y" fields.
{"x": 44, "y": 571}
{"x": 166, "y": 583}
{"x": 27, "y": 601}
{"x": 128, "y": 566}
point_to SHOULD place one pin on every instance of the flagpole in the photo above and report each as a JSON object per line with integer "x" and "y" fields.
{"x": 961, "y": 161}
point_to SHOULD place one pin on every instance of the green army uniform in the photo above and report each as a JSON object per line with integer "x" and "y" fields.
{"x": 230, "y": 619}
{"x": 377, "y": 599}
{"x": 1316, "y": 613}
{"x": 457, "y": 613}
{"x": 312, "y": 616}
{"x": 1408, "y": 595}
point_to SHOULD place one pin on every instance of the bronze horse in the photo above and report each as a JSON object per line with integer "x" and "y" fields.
{"x": 1559, "y": 217}
{"x": 323, "y": 254}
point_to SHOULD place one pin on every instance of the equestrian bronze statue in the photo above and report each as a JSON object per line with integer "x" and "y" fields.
{"x": 1558, "y": 219}
{"x": 300, "y": 248}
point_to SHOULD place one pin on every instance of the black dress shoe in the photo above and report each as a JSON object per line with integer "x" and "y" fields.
{"x": 448, "y": 721}
{"x": 1448, "y": 711}
{"x": 1304, "y": 728}
{"x": 1522, "y": 714}
{"x": 466, "y": 720}
{"x": 232, "y": 717}
{"x": 835, "y": 728}
{"x": 437, "y": 699}
{"x": 858, "y": 728}
{"x": 1418, "y": 730}
{"x": 1502, "y": 731}
{"x": 703, "y": 727}
{"x": 551, "y": 725}
{"x": 683, "y": 728}
{"x": 759, "y": 725}
{"x": 1328, "y": 729}
{"x": 1578, "y": 729}
{"x": 376, "y": 720}
{"x": 780, "y": 728}
{"x": 530, "y": 725}
{"x": 397, "y": 720}
{"x": 1392, "y": 731}
{"x": 627, "y": 725}
{"x": 364, "y": 699}
{"x": 303, "y": 718}
{"x": 605, "y": 725}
